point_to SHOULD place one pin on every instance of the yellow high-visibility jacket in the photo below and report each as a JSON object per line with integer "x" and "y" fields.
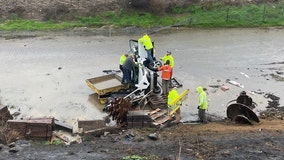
{"x": 170, "y": 58}
{"x": 122, "y": 59}
{"x": 173, "y": 94}
{"x": 203, "y": 104}
{"x": 147, "y": 42}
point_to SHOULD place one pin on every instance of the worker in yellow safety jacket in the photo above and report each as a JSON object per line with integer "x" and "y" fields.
{"x": 202, "y": 105}
{"x": 169, "y": 57}
{"x": 122, "y": 60}
{"x": 173, "y": 95}
{"x": 147, "y": 42}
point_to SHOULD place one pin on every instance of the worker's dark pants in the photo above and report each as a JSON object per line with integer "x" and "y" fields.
{"x": 150, "y": 57}
{"x": 202, "y": 115}
{"x": 123, "y": 74}
{"x": 126, "y": 78}
{"x": 165, "y": 86}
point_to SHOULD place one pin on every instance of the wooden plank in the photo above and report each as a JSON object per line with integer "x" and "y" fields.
{"x": 63, "y": 126}
{"x": 159, "y": 114}
{"x": 101, "y": 131}
{"x": 61, "y": 136}
{"x": 154, "y": 111}
{"x": 163, "y": 120}
{"x": 91, "y": 124}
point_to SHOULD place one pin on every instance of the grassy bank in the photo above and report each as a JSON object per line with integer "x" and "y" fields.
{"x": 211, "y": 15}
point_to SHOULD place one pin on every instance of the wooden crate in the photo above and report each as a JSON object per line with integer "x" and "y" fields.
{"x": 88, "y": 125}
{"x": 36, "y": 128}
{"x": 138, "y": 119}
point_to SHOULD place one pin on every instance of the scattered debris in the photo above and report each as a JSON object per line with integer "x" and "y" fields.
{"x": 275, "y": 100}
{"x": 224, "y": 88}
{"x": 62, "y": 126}
{"x": 277, "y": 77}
{"x": 245, "y": 74}
{"x": 275, "y": 63}
{"x": 101, "y": 131}
{"x": 175, "y": 83}
{"x": 280, "y": 72}
{"x": 234, "y": 83}
{"x": 111, "y": 71}
{"x": 154, "y": 136}
{"x": 215, "y": 86}
{"x": 60, "y": 136}
{"x": 5, "y": 113}
{"x": 272, "y": 113}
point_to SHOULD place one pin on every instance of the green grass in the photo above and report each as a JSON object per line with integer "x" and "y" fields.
{"x": 209, "y": 15}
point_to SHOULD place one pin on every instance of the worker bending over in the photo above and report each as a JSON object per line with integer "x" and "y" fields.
{"x": 173, "y": 95}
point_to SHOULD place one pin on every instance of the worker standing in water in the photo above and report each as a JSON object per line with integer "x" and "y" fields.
{"x": 202, "y": 105}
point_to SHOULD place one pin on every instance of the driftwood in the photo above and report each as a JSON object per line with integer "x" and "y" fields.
{"x": 101, "y": 131}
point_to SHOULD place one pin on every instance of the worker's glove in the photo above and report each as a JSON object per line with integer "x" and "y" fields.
{"x": 155, "y": 69}
{"x": 140, "y": 65}
{"x": 198, "y": 107}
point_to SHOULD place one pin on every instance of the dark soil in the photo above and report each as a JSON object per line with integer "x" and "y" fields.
{"x": 215, "y": 140}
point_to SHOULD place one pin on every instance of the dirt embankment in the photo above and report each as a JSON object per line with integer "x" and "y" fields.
{"x": 44, "y": 10}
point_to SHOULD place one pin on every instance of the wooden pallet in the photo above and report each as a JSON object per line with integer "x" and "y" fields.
{"x": 159, "y": 116}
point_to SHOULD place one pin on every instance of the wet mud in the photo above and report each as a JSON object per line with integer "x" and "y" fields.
{"x": 33, "y": 85}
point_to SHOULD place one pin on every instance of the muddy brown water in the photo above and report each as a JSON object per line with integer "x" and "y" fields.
{"x": 45, "y": 76}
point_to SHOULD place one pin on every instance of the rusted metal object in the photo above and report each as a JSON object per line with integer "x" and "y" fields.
{"x": 242, "y": 119}
{"x": 237, "y": 109}
{"x": 5, "y": 113}
{"x": 118, "y": 110}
